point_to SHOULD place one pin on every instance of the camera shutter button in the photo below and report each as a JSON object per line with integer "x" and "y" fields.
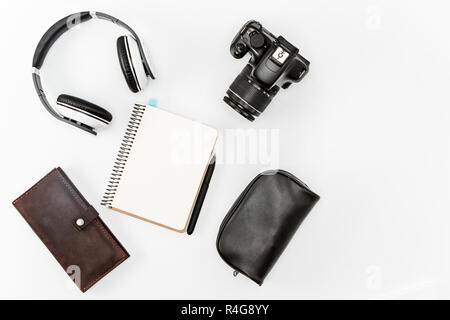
{"x": 257, "y": 40}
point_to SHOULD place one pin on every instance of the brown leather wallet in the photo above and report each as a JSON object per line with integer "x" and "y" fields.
{"x": 71, "y": 229}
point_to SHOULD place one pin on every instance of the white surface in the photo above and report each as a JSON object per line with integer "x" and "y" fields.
{"x": 165, "y": 167}
{"x": 367, "y": 129}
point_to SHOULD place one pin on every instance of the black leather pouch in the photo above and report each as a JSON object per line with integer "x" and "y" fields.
{"x": 262, "y": 221}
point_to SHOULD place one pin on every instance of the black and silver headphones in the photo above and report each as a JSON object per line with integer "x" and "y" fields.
{"x": 132, "y": 59}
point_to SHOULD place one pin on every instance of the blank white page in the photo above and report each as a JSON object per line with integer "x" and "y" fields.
{"x": 165, "y": 169}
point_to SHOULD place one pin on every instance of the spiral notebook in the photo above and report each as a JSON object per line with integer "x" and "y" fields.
{"x": 160, "y": 167}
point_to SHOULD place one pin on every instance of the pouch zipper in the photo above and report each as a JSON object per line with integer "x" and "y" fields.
{"x": 239, "y": 200}
{"x": 236, "y": 203}
{"x": 244, "y": 193}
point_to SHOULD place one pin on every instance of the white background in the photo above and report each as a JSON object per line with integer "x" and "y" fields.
{"x": 367, "y": 129}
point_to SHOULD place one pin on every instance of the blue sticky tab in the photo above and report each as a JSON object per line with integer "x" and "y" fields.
{"x": 153, "y": 102}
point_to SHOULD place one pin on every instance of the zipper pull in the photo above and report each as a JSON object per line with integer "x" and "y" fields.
{"x": 235, "y": 273}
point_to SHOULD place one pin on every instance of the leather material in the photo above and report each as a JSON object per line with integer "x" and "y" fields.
{"x": 86, "y": 107}
{"x": 52, "y": 208}
{"x": 201, "y": 196}
{"x": 126, "y": 65}
{"x": 53, "y": 33}
{"x": 262, "y": 222}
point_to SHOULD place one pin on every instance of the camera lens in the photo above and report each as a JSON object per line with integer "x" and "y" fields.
{"x": 247, "y": 97}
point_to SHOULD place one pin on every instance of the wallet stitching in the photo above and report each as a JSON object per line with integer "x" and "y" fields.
{"x": 34, "y": 187}
{"x": 83, "y": 205}
{"x": 116, "y": 245}
{"x": 48, "y": 244}
{"x": 72, "y": 191}
{"x": 108, "y": 236}
{"x": 90, "y": 284}
{"x": 28, "y": 218}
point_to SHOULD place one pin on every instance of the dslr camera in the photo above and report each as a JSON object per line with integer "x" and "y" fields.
{"x": 274, "y": 63}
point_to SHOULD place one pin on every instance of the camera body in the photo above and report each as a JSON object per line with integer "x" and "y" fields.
{"x": 274, "y": 63}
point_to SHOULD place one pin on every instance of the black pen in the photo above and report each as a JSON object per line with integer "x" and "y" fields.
{"x": 201, "y": 196}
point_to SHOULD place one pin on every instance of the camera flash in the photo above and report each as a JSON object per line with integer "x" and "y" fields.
{"x": 280, "y": 55}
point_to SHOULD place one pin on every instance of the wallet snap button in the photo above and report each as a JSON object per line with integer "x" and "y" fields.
{"x": 80, "y": 222}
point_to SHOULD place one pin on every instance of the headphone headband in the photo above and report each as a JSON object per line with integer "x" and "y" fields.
{"x": 53, "y": 34}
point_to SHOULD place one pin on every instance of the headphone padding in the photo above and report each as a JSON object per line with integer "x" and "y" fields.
{"x": 85, "y": 107}
{"x": 126, "y": 65}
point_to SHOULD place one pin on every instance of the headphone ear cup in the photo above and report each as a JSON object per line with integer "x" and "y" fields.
{"x": 83, "y": 111}
{"x": 130, "y": 63}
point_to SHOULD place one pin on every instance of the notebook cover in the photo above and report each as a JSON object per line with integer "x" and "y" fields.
{"x": 160, "y": 167}
{"x": 52, "y": 208}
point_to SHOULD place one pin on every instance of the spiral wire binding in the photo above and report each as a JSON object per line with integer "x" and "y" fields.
{"x": 122, "y": 155}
